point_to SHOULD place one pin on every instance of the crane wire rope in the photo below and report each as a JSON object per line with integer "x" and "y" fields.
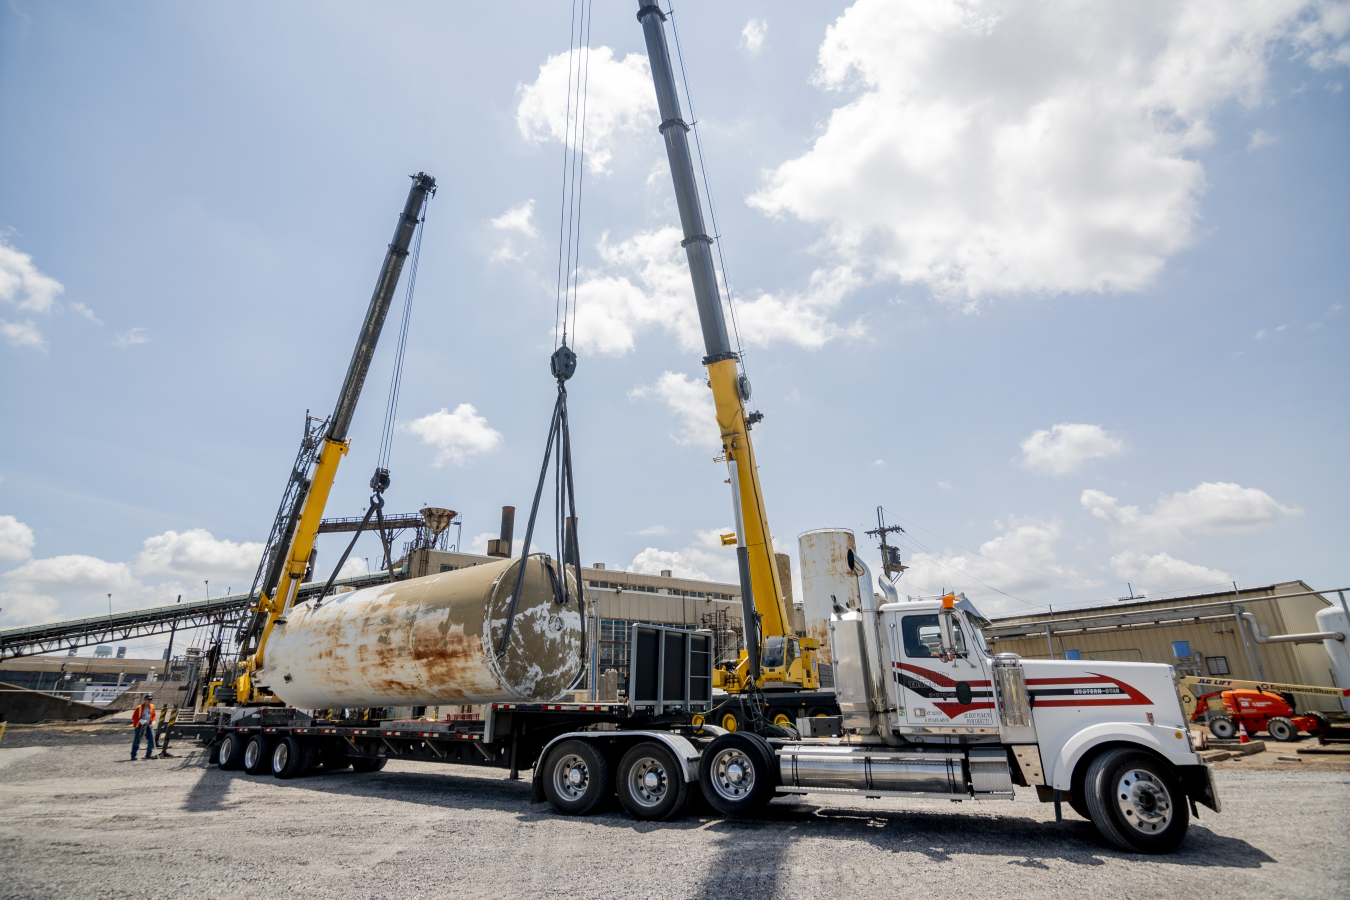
{"x": 573, "y": 173}
{"x": 563, "y": 362}
{"x": 396, "y": 378}
{"x": 707, "y": 191}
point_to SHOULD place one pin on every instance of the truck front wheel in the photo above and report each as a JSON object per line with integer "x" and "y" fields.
{"x": 651, "y": 783}
{"x": 1136, "y": 801}
{"x": 576, "y": 777}
{"x": 736, "y": 774}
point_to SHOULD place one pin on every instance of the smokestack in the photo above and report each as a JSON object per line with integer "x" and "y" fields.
{"x": 502, "y": 546}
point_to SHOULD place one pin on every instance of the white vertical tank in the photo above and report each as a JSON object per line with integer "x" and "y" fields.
{"x": 1333, "y": 619}
{"x": 826, "y": 580}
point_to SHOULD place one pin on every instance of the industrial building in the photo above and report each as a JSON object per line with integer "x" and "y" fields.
{"x": 1200, "y": 634}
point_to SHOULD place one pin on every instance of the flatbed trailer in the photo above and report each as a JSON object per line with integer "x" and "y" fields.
{"x": 508, "y": 736}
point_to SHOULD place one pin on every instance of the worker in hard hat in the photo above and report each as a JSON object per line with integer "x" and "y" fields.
{"x": 143, "y": 723}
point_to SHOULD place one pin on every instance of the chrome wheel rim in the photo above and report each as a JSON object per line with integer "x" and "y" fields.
{"x": 571, "y": 777}
{"x": 1144, "y": 801}
{"x": 251, "y": 753}
{"x": 648, "y": 783}
{"x": 733, "y": 774}
{"x": 227, "y": 750}
{"x": 280, "y": 757}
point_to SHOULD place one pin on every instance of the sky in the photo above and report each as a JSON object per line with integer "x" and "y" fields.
{"x": 1062, "y": 288}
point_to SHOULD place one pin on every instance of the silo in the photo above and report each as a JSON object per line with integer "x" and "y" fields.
{"x": 430, "y": 641}
{"x": 826, "y": 580}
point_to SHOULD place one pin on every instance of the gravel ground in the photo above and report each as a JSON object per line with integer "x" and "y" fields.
{"x": 79, "y": 820}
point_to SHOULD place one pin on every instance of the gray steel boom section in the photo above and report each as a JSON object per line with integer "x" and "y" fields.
{"x": 697, "y": 242}
{"x": 423, "y": 184}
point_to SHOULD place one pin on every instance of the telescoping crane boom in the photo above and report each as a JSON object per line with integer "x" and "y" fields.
{"x": 775, "y": 657}
{"x": 285, "y": 563}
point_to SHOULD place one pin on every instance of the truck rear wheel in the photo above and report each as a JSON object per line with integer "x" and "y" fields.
{"x": 1136, "y": 801}
{"x": 1282, "y": 730}
{"x": 650, "y": 782}
{"x": 230, "y": 752}
{"x": 576, "y": 778}
{"x": 1223, "y": 728}
{"x": 736, "y": 774}
{"x": 257, "y": 753}
{"x": 289, "y": 757}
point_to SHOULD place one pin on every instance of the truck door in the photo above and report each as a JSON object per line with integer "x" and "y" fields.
{"x": 937, "y": 693}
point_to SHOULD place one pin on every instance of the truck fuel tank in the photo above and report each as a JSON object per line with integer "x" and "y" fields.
{"x": 431, "y": 641}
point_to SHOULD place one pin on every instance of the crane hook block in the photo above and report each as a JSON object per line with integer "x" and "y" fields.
{"x": 563, "y": 363}
{"x": 379, "y": 481}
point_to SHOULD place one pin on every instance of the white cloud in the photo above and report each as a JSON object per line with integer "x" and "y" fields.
{"x": 22, "y": 284}
{"x": 692, "y": 404}
{"x": 75, "y": 585}
{"x": 753, "y": 34}
{"x": 1022, "y": 560}
{"x": 456, "y": 435}
{"x": 22, "y": 334}
{"x": 1000, "y": 146}
{"x": 705, "y": 558}
{"x": 1066, "y": 447}
{"x": 517, "y": 218}
{"x": 16, "y": 540}
{"x": 132, "y": 337}
{"x": 353, "y": 567}
{"x": 85, "y": 311}
{"x": 945, "y": 485}
{"x": 619, "y": 98}
{"x": 643, "y": 283}
{"x": 1260, "y": 139}
{"x": 1160, "y": 572}
{"x": 1210, "y": 507}
{"x": 197, "y": 555}
{"x": 653, "y": 531}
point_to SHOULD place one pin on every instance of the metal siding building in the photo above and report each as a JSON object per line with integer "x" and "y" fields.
{"x": 1219, "y": 643}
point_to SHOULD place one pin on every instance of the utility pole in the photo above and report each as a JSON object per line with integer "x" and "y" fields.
{"x": 890, "y": 556}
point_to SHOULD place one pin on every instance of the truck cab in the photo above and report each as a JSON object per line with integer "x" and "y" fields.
{"x": 927, "y": 708}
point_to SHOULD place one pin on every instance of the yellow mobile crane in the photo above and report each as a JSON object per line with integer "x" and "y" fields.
{"x": 287, "y": 556}
{"x": 775, "y": 657}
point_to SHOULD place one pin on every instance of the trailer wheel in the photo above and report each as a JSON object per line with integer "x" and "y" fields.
{"x": 369, "y": 763}
{"x": 230, "y": 752}
{"x": 257, "y": 753}
{"x": 650, "y": 782}
{"x": 736, "y": 774}
{"x": 288, "y": 758}
{"x": 1222, "y": 728}
{"x": 1136, "y": 801}
{"x": 1282, "y": 730}
{"x": 576, "y": 778}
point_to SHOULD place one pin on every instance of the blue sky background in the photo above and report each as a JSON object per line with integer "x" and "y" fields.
{"x": 216, "y": 185}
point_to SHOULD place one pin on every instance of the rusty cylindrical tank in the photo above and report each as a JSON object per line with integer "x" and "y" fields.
{"x": 429, "y": 641}
{"x": 826, "y": 579}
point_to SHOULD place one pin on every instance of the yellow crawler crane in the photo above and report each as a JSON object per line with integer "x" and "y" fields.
{"x": 287, "y": 557}
{"x": 775, "y": 657}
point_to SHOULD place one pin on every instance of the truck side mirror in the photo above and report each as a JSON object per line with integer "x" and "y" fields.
{"x": 948, "y": 628}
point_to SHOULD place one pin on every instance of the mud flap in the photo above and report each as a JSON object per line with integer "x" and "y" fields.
{"x": 537, "y": 784}
{"x": 1198, "y": 782}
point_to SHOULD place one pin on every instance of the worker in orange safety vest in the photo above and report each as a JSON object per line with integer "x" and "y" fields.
{"x": 143, "y": 722}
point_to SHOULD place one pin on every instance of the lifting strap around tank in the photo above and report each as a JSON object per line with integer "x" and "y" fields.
{"x": 563, "y": 364}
